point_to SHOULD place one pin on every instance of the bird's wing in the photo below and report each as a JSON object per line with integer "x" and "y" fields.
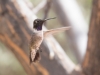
{"x": 53, "y": 31}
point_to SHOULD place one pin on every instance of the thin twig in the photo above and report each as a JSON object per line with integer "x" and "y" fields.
{"x": 47, "y": 8}
{"x": 40, "y": 6}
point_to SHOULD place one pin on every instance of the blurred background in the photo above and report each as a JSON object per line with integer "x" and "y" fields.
{"x": 74, "y": 13}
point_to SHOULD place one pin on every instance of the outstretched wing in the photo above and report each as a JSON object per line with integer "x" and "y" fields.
{"x": 54, "y": 31}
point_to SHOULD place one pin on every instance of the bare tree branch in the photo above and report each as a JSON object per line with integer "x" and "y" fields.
{"x": 39, "y": 6}
{"x": 91, "y": 63}
{"x": 67, "y": 12}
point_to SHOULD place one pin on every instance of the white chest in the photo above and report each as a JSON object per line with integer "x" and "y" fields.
{"x": 38, "y": 33}
{"x": 36, "y": 39}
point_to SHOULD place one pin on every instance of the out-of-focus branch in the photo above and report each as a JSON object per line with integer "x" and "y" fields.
{"x": 91, "y": 63}
{"x": 39, "y": 6}
{"x": 29, "y": 4}
{"x": 47, "y": 8}
{"x": 69, "y": 13}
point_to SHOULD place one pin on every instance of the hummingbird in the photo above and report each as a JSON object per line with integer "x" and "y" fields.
{"x": 37, "y": 37}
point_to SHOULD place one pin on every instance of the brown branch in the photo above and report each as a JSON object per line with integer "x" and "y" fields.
{"x": 91, "y": 64}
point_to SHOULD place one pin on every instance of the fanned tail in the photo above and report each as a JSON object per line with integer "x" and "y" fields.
{"x": 34, "y": 56}
{"x": 37, "y": 57}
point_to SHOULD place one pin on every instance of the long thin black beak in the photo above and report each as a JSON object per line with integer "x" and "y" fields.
{"x": 49, "y": 18}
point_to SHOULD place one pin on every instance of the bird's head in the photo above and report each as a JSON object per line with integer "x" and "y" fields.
{"x": 37, "y": 24}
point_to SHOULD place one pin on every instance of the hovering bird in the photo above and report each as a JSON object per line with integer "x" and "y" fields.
{"x": 38, "y": 36}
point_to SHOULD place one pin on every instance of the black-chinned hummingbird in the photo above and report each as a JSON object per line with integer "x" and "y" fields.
{"x": 38, "y": 36}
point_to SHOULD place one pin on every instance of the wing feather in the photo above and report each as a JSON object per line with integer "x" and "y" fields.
{"x": 54, "y": 31}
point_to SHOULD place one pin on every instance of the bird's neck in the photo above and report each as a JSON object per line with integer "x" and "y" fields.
{"x": 38, "y": 28}
{"x": 35, "y": 30}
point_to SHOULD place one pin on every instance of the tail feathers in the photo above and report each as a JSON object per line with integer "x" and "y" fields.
{"x": 34, "y": 56}
{"x": 37, "y": 57}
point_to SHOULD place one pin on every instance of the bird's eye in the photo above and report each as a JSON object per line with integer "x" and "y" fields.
{"x": 35, "y": 21}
